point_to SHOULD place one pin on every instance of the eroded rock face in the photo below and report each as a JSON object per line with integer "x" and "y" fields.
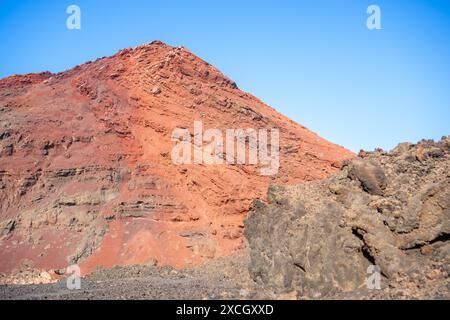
{"x": 86, "y": 174}
{"x": 386, "y": 209}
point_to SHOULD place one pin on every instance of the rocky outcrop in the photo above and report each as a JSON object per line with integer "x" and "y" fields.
{"x": 26, "y": 274}
{"x": 384, "y": 209}
{"x": 86, "y": 173}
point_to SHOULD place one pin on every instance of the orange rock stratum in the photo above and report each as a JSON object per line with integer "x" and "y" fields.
{"x": 86, "y": 174}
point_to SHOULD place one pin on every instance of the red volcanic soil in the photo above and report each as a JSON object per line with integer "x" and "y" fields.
{"x": 86, "y": 174}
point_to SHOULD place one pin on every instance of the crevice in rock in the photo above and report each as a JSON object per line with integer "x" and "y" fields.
{"x": 364, "y": 248}
{"x": 300, "y": 267}
{"x": 441, "y": 238}
{"x": 367, "y": 255}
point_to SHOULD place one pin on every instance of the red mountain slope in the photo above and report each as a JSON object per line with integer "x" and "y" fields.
{"x": 86, "y": 173}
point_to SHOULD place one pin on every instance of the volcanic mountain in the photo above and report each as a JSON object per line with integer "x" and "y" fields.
{"x": 86, "y": 173}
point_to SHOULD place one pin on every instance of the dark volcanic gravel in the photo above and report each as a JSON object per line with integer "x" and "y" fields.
{"x": 219, "y": 279}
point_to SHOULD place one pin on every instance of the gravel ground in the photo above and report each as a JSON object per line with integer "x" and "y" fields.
{"x": 219, "y": 279}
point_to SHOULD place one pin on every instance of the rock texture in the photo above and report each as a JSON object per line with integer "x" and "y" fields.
{"x": 85, "y": 169}
{"x": 318, "y": 239}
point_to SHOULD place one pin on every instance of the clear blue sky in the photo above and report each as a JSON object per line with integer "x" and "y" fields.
{"x": 314, "y": 61}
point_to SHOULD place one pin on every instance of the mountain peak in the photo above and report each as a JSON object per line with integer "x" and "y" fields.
{"x": 87, "y": 174}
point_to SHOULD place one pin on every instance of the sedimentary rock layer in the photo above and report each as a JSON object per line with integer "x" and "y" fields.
{"x": 86, "y": 174}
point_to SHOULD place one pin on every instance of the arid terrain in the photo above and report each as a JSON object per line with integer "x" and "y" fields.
{"x": 87, "y": 178}
{"x": 86, "y": 174}
{"x": 385, "y": 209}
{"x": 315, "y": 240}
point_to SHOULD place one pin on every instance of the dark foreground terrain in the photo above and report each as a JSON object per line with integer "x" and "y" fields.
{"x": 223, "y": 279}
{"x": 389, "y": 210}
{"x": 220, "y": 279}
